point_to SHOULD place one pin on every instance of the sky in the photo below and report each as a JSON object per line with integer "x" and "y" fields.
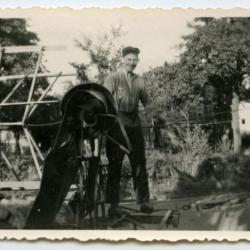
{"x": 157, "y": 33}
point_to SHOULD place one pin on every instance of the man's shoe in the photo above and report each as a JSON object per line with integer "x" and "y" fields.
{"x": 147, "y": 208}
{"x": 115, "y": 212}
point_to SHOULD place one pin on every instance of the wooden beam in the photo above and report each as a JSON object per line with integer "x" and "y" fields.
{"x": 237, "y": 140}
{"x": 32, "y": 86}
{"x": 1, "y": 55}
{"x": 11, "y": 124}
{"x": 29, "y": 49}
{"x": 13, "y": 91}
{"x": 33, "y": 153}
{"x": 16, "y": 77}
{"x": 15, "y": 185}
{"x": 26, "y": 185}
{"x": 27, "y": 103}
{"x": 44, "y": 94}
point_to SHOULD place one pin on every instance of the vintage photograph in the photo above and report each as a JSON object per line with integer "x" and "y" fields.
{"x": 124, "y": 120}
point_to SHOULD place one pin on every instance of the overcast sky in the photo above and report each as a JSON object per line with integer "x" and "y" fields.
{"x": 156, "y": 32}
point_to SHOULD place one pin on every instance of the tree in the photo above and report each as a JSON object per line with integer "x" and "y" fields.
{"x": 14, "y": 32}
{"x": 209, "y": 72}
{"x": 218, "y": 53}
{"x": 104, "y": 52}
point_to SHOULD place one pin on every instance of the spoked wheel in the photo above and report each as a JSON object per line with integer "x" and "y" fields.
{"x": 90, "y": 201}
{"x": 99, "y": 207}
{"x": 80, "y": 211}
{"x": 91, "y": 186}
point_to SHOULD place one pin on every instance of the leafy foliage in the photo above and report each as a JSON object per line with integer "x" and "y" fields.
{"x": 104, "y": 54}
{"x": 200, "y": 86}
{"x": 15, "y": 32}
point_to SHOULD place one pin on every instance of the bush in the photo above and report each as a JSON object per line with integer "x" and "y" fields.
{"x": 218, "y": 173}
{"x": 23, "y": 167}
{"x": 166, "y": 169}
{"x": 195, "y": 149}
{"x": 195, "y": 170}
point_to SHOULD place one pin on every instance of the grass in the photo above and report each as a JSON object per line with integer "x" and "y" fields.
{"x": 169, "y": 175}
{"x": 215, "y": 174}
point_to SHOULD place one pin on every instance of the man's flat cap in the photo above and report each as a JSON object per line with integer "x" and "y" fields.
{"x": 130, "y": 50}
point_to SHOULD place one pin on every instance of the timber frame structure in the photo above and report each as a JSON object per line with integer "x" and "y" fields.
{"x": 30, "y": 104}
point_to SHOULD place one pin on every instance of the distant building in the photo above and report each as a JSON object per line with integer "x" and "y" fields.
{"x": 244, "y": 116}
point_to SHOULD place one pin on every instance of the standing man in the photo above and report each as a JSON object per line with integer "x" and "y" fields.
{"x": 128, "y": 89}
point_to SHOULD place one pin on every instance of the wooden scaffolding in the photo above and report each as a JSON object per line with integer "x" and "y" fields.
{"x": 30, "y": 104}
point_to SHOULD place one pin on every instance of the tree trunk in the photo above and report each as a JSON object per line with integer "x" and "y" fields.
{"x": 235, "y": 123}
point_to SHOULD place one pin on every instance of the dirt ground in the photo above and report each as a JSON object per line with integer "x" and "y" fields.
{"x": 216, "y": 212}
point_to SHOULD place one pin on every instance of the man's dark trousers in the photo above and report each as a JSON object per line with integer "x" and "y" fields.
{"x": 136, "y": 157}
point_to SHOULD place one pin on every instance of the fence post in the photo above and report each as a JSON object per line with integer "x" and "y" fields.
{"x": 236, "y": 123}
{"x": 1, "y": 55}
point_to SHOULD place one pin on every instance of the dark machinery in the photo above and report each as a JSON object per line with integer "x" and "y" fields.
{"x": 88, "y": 115}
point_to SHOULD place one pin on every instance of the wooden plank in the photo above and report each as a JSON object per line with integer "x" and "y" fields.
{"x": 4, "y": 124}
{"x": 27, "y": 49}
{"x": 26, "y": 103}
{"x": 44, "y": 94}
{"x": 1, "y": 55}
{"x": 237, "y": 140}
{"x": 16, "y": 77}
{"x": 32, "y": 86}
{"x": 24, "y": 185}
{"x": 15, "y": 185}
{"x": 38, "y": 169}
{"x": 13, "y": 90}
